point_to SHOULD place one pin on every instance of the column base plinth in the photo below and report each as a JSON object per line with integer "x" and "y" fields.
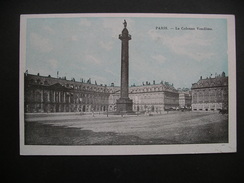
{"x": 124, "y": 105}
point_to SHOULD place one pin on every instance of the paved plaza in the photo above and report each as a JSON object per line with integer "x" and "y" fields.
{"x": 175, "y": 127}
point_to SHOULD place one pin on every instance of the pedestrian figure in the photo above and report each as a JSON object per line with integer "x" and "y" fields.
{"x": 92, "y": 112}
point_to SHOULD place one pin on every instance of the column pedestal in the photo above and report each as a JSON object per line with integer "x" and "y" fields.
{"x": 124, "y": 105}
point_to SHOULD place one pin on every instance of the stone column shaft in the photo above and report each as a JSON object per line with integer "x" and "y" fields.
{"x": 124, "y": 69}
{"x": 124, "y": 104}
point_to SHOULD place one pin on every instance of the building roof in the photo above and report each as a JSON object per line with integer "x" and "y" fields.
{"x": 218, "y": 81}
{"x": 49, "y": 81}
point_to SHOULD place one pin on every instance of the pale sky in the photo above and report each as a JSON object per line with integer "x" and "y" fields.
{"x": 88, "y": 47}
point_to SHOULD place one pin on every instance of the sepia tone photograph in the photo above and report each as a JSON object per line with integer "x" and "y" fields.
{"x": 127, "y": 84}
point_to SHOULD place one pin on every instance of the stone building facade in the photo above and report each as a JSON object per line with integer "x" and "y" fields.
{"x": 48, "y": 94}
{"x": 185, "y": 99}
{"x": 210, "y": 94}
{"x": 154, "y": 98}
{"x": 148, "y": 98}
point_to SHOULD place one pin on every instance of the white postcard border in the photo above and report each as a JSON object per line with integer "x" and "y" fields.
{"x": 134, "y": 149}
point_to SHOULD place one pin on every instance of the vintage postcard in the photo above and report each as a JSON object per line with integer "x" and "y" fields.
{"x": 127, "y": 84}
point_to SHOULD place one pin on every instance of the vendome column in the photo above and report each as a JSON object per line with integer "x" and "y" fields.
{"x": 124, "y": 104}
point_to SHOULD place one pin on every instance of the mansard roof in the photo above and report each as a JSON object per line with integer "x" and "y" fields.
{"x": 152, "y": 88}
{"x": 57, "y": 86}
{"x": 62, "y": 84}
{"x": 218, "y": 81}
